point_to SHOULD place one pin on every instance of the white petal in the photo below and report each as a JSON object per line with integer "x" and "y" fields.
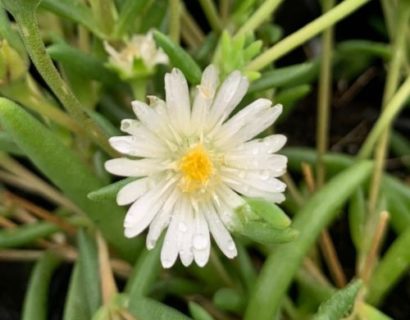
{"x": 222, "y": 237}
{"x": 201, "y": 240}
{"x": 141, "y": 213}
{"x": 250, "y": 185}
{"x": 132, "y": 191}
{"x": 228, "y": 196}
{"x": 204, "y": 97}
{"x": 240, "y": 120}
{"x": 169, "y": 251}
{"x": 177, "y": 99}
{"x": 270, "y": 165}
{"x": 186, "y": 230}
{"x": 151, "y": 119}
{"x": 143, "y": 146}
{"x": 134, "y": 168}
{"x": 253, "y": 178}
{"x": 258, "y": 147}
{"x": 130, "y": 126}
{"x": 162, "y": 219}
{"x": 231, "y": 92}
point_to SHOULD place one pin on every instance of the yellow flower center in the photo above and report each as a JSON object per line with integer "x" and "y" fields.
{"x": 196, "y": 167}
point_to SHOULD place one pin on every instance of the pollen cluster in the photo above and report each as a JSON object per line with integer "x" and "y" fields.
{"x": 196, "y": 167}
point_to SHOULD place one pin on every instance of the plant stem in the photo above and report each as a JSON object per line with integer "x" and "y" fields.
{"x": 382, "y": 127}
{"x": 212, "y": 15}
{"x": 307, "y": 32}
{"x": 262, "y": 14}
{"x": 391, "y": 110}
{"x": 175, "y": 20}
{"x": 325, "y": 85}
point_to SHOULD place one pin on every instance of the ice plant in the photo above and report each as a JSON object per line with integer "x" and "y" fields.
{"x": 194, "y": 165}
{"x": 137, "y": 58}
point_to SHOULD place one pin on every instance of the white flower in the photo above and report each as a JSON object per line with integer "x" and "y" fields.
{"x": 194, "y": 164}
{"x": 140, "y": 47}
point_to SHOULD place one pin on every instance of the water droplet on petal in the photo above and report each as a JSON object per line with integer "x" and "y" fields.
{"x": 182, "y": 227}
{"x": 265, "y": 174}
{"x": 199, "y": 242}
{"x": 231, "y": 245}
{"x": 241, "y": 174}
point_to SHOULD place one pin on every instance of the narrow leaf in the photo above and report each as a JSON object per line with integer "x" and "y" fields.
{"x": 109, "y": 193}
{"x": 27, "y": 234}
{"x": 36, "y": 299}
{"x": 66, "y": 170}
{"x": 281, "y": 266}
{"x": 179, "y": 58}
{"x": 148, "y": 309}
{"x": 290, "y": 76}
{"x": 269, "y": 212}
{"x": 339, "y": 304}
{"x": 145, "y": 272}
{"x": 75, "y": 308}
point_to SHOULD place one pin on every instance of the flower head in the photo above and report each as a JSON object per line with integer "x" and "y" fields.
{"x": 194, "y": 165}
{"x": 138, "y": 57}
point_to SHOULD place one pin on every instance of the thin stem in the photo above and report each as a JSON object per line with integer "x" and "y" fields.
{"x": 332, "y": 260}
{"x": 224, "y": 7}
{"x": 40, "y": 213}
{"x": 392, "y": 82}
{"x": 105, "y": 15}
{"x": 108, "y": 286}
{"x": 304, "y": 34}
{"x": 262, "y": 14}
{"x": 385, "y": 120}
{"x": 25, "y": 179}
{"x": 211, "y": 14}
{"x": 190, "y": 26}
{"x": 375, "y": 246}
{"x": 175, "y": 20}
{"x": 325, "y": 86}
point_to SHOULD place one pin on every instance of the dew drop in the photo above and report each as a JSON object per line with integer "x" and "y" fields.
{"x": 182, "y": 227}
{"x": 199, "y": 242}
{"x": 255, "y": 151}
{"x": 265, "y": 174}
{"x": 231, "y": 245}
{"x": 241, "y": 174}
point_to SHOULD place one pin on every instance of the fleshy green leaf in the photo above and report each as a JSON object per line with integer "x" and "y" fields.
{"x": 357, "y": 210}
{"x": 36, "y": 299}
{"x": 75, "y": 308}
{"x": 229, "y": 300}
{"x": 7, "y": 144}
{"x": 66, "y": 170}
{"x": 26, "y": 234}
{"x": 148, "y": 309}
{"x": 198, "y": 313}
{"x": 82, "y": 63}
{"x": 269, "y": 212}
{"x": 281, "y": 266}
{"x": 179, "y": 58}
{"x": 89, "y": 271}
{"x": 394, "y": 264}
{"x": 290, "y": 76}
{"x": 75, "y": 10}
{"x": 265, "y": 234}
{"x": 109, "y": 193}
{"x": 145, "y": 271}
{"x": 339, "y": 304}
